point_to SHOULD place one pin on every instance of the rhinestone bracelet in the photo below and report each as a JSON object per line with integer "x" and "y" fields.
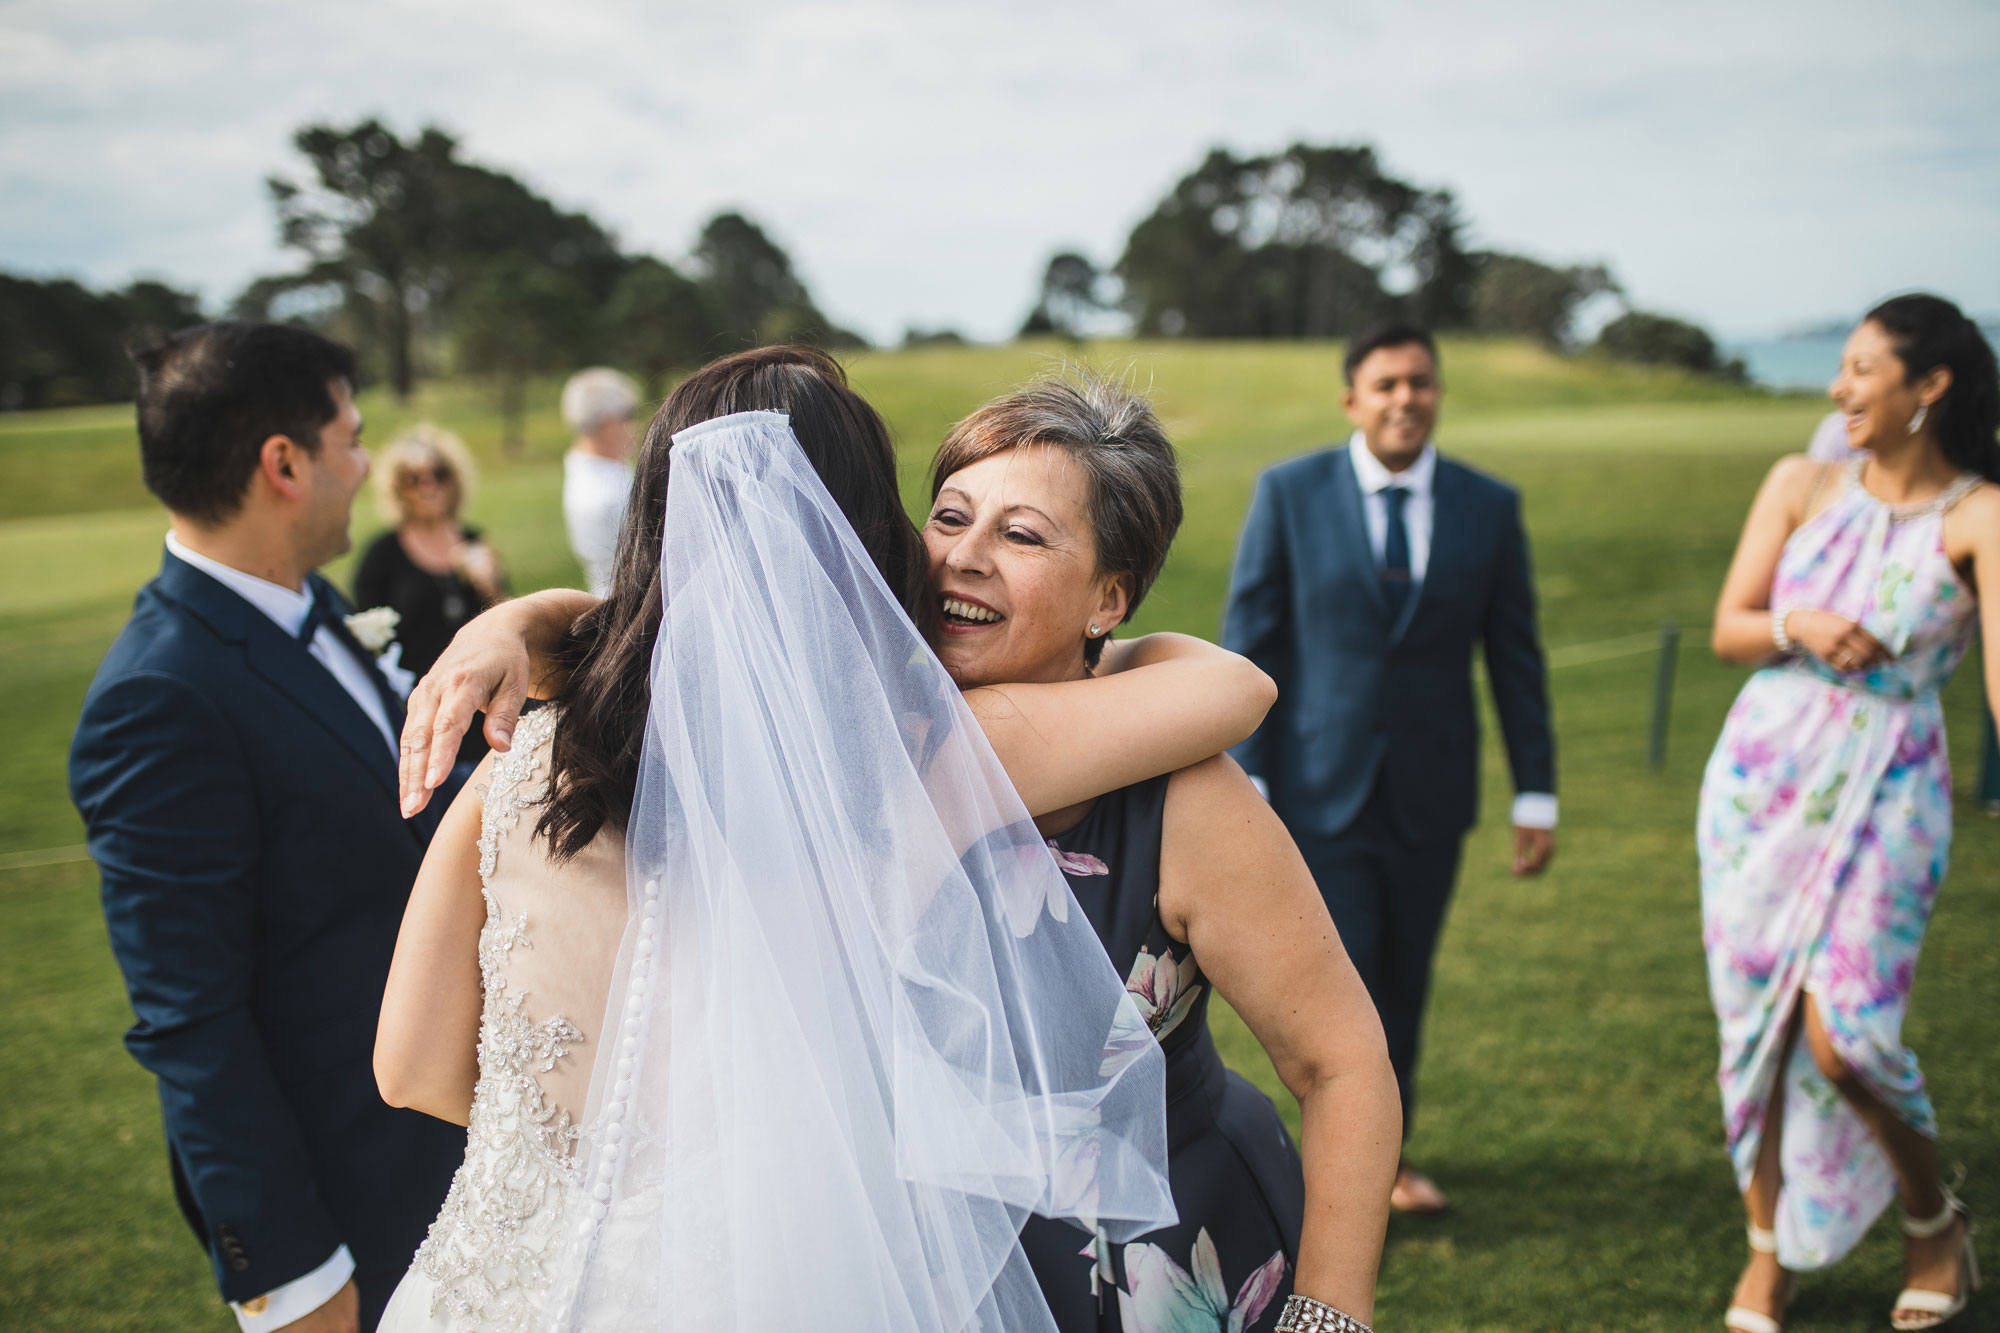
{"x": 1780, "y": 640}
{"x": 1303, "y": 1314}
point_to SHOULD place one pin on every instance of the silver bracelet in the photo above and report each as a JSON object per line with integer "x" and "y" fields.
{"x": 1303, "y": 1314}
{"x": 1781, "y": 640}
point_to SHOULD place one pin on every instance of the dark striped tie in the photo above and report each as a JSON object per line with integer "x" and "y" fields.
{"x": 1395, "y": 552}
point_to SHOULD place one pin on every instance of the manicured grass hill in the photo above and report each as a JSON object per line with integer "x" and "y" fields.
{"x": 1567, "y": 1100}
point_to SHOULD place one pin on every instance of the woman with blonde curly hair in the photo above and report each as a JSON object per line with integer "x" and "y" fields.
{"x": 433, "y": 570}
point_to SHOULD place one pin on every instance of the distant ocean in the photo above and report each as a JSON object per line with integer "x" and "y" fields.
{"x": 1803, "y": 362}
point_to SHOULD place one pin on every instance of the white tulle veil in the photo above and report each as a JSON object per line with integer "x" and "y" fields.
{"x": 859, "y": 1028}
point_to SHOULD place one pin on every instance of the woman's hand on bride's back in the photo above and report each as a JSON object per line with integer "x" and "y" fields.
{"x": 490, "y": 666}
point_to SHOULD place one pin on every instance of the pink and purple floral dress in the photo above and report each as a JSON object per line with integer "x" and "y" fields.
{"x": 1824, "y": 829}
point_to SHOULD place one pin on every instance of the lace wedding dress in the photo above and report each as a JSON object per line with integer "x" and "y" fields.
{"x": 545, "y": 963}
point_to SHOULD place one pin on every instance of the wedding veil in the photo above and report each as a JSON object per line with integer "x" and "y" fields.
{"x": 859, "y": 1028}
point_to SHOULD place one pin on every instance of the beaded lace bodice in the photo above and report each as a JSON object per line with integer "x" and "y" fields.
{"x": 545, "y": 957}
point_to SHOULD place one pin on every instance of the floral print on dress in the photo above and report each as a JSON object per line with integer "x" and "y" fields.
{"x": 1078, "y": 863}
{"x": 1824, "y": 830}
{"x": 1165, "y": 990}
{"x": 1162, "y": 1297}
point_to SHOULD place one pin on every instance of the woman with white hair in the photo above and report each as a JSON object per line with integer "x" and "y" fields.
{"x": 598, "y": 405}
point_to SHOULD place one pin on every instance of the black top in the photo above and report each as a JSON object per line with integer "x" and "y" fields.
{"x": 1237, "y": 1181}
{"x": 433, "y": 606}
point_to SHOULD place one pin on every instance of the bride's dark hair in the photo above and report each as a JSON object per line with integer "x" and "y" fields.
{"x": 608, "y": 652}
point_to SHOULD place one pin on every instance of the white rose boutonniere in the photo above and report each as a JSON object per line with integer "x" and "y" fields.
{"x": 375, "y": 628}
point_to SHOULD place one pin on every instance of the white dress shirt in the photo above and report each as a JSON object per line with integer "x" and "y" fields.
{"x": 595, "y": 491}
{"x": 1532, "y": 809}
{"x": 1418, "y": 510}
{"x": 287, "y": 610}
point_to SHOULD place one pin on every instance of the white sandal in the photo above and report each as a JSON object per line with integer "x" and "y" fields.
{"x": 1939, "y": 1307}
{"x": 1739, "y": 1319}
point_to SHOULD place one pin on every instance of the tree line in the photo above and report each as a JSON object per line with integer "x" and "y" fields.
{"x": 1323, "y": 243}
{"x": 429, "y": 263}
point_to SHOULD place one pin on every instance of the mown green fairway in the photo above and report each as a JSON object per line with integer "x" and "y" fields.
{"x": 1566, "y": 1097}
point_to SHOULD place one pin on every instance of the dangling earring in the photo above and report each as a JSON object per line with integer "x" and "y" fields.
{"x": 1917, "y": 421}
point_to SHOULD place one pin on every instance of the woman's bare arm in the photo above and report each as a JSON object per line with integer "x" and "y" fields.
{"x": 1158, "y": 704}
{"x": 426, "y": 1045}
{"x": 1235, "y": 887}
{"x": 1742, "y": 631}
{"x": 1972, "y": 540}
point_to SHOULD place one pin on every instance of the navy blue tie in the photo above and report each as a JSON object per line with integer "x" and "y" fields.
{"x": 321, "y": 612}
{"x": 1395, "y": 552}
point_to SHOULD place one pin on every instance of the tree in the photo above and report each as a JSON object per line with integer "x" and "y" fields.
{"x": 658, "y": 319}
{"x": 1659, "y": 340}
{"x": 375, "y": 222}
{"x": 518, "y": 318}
{"x": 395, "y": 230}
{"x": 752, "y": 290}
{"x": 1307, "y": 243}
{"x": 1069, "y": 296}
{"x": 62, "y": 344}
{"x": 1526, "y": 298}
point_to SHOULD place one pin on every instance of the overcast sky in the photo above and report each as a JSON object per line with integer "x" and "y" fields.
{"x": 1755, "y": 164}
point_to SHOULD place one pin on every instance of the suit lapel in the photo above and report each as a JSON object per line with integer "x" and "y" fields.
{"x": 282, "y": 660}
{"x": 1450, "y": 532}
{"x": 304, "y": 679}
{"x": 1350, "y": 519}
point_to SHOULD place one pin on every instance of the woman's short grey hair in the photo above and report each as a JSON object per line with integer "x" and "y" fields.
{"x": 595, "y": 396}
{"x": 423, "y": 446}
{"x": 1134, "y": 477}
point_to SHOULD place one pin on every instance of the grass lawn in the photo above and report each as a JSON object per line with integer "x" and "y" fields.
{"x": 1566, "y": 1097}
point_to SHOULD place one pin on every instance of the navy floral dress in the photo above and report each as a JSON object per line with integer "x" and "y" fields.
{"x": 1236, "y": 1178}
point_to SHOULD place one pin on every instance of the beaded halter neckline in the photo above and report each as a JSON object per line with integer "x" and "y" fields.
{"x": 1960, "y": 487}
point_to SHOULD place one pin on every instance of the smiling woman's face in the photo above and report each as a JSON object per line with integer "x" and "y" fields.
{"x": 1014, "y": 563}
{"x": 1873, "y": 391}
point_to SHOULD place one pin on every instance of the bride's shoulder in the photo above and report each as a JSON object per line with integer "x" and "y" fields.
{"x": 508, "y": 782}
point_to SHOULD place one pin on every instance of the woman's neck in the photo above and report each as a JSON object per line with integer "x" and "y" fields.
{"x": 430, "y": 527}
{"x": 1908, "y": 472}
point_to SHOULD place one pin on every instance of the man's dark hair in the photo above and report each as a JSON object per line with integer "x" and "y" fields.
{"x": 209, "y": 396}
{"x": 1381, "y": 336}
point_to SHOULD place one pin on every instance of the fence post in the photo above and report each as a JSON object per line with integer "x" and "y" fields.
{"x": 1663, "y": 695}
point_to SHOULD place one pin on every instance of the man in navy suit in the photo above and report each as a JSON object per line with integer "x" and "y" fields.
{"x": 236, "y": 767}
{"x": 1366, "y": 575}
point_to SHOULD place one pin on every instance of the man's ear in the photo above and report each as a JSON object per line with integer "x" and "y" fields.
{"x": 280, "y": 462}
{"x": 1114, "y": 598}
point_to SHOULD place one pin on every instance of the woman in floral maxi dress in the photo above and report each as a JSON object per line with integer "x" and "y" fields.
{"x": 1825, "y": 817}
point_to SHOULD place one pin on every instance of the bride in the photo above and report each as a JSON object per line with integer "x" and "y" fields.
{"x": 762, "y": 1001}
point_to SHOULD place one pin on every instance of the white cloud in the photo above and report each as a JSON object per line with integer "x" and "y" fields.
{"x": 1749, "y": 165}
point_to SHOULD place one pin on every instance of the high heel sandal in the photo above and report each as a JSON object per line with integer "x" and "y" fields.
{"x": 1739, "y": 1319}
{"x": 1936, "y": 1307}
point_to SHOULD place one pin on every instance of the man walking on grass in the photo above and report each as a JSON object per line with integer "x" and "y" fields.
{"x": 1366, "y": 575}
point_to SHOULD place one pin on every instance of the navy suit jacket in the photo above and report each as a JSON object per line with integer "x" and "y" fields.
{"x": 1361, "y": 698}
{"x": 242, "y": 811}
